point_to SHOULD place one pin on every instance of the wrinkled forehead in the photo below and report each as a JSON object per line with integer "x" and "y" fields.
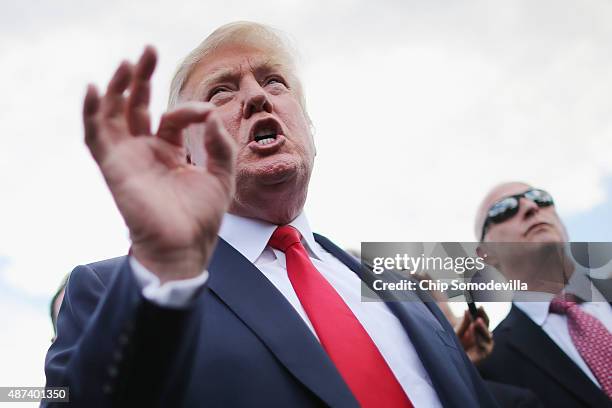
{"x": 231, "y": 61}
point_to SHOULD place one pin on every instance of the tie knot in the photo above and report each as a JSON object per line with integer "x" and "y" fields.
{"x": 283, "y": 237}
{"x": 563, "y": 302}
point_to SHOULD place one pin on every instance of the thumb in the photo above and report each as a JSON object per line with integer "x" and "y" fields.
{"x": 463, "y": 326}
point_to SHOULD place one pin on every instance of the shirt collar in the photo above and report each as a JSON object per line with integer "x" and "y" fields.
{"x": 538, "y": 311}
{"x": 250, "y": 236}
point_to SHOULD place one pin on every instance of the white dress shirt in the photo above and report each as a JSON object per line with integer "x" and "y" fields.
{"x": 555, "y": 325}
{"x": 250, "y": 237}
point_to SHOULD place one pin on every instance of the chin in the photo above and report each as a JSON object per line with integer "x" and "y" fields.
{"x": 273, "y": 170}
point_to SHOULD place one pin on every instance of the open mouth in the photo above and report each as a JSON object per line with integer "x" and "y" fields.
{"x": 265, "y": 131}
{"x": 266, "y": 136}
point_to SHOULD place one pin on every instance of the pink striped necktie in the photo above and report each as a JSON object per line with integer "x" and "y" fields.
{"x": 591, "y": 338}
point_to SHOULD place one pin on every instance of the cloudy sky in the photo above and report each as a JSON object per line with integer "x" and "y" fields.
{"x": 419, "y": 108}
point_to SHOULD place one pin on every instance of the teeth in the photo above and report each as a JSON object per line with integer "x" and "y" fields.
{"x": 265, "y": 141}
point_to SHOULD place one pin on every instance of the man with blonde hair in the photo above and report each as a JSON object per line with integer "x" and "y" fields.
{"x": 227, "y": 299}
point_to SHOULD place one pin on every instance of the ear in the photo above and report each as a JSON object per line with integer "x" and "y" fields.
{"x": 487, "y": 254}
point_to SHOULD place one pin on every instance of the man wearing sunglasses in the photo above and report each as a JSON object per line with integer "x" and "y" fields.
{"x": 560, "y": 347}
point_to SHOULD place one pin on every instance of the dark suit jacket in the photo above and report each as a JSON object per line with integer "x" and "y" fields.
{"x": 525, "y": 356}
{"x": 510, "y": 396}
{"x": 240, "y": 344}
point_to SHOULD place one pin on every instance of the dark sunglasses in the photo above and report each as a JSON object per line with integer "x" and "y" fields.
{"x": 507, "y": 207}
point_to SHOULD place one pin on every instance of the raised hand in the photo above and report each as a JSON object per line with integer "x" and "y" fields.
{"x": 173, "y": 209}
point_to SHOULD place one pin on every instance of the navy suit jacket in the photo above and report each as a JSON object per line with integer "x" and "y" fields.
{"x": 525, "y": 356}
{"x": 240, "y": 344}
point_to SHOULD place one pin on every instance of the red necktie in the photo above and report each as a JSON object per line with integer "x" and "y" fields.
{"x": 344, "y": 339}
{"x": 592, "y": 340}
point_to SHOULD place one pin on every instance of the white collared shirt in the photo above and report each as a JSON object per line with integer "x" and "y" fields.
{"x": 250, "y": 237}
{"x": 555, "y": 325}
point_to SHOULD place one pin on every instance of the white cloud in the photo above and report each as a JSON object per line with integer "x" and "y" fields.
{"x": 26, "y": 336}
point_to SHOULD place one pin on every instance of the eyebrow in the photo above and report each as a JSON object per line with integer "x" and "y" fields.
{"x": 224, "y": 74}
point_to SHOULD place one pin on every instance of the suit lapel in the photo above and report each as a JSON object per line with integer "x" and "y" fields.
{"x": 429, "y": 339}
{"x": 530, "y": 340}
{"x": 257, "y": 302}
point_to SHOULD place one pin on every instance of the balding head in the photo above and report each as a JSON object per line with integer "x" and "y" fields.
{"x": 531, "y": 223}
{"x": 495, "y": 194}
{"x": 527, "y": 244}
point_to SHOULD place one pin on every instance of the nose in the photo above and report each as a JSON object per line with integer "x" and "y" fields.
{"x": 255, "y": 101}
{"x": 529, "y": 208}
